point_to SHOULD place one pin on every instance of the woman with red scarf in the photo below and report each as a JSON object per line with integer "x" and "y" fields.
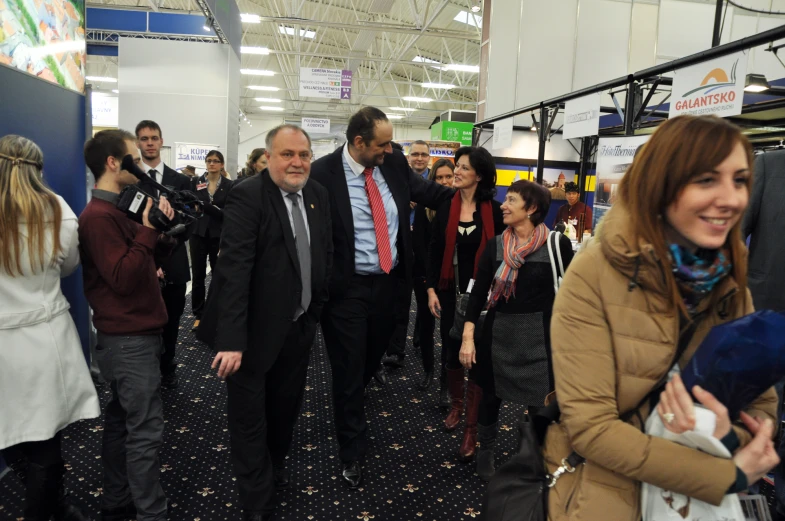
{"x": 515, "y": 283}
{"x": 459, "y": 232}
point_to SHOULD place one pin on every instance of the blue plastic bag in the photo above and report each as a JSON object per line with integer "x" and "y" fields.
{"x": 738, "y": 361}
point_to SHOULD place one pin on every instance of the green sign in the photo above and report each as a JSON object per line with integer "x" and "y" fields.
{"x": 453, "y": 131}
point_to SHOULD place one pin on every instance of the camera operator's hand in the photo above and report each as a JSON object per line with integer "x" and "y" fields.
{"x": 146, "y": 214}
{"x": 227, "y": 362}
{"x": 166, "y": 208}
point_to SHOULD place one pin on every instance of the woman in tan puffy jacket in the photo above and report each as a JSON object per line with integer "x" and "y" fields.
{"x": 668, "y": 253}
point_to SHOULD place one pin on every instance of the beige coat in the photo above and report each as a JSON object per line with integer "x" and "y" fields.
{"x": 611, "y": 343}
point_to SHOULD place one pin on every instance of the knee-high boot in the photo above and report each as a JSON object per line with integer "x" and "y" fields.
{"x": 486, "y": 435}
{"x": 469, "y": 445}
{"x": 455, "y": 383}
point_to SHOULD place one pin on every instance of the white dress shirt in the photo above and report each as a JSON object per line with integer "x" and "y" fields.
{"x": 159, "y": 176}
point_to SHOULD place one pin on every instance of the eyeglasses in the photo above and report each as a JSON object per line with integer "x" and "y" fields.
{"x": 213, "y": 161}
{"x": 419, "y": 154}
{"x": 289, "y": 156}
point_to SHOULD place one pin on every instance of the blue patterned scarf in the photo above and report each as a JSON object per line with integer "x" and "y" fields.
{"x": 698, "y": 273}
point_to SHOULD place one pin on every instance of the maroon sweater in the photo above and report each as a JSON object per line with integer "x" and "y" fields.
{"x": 119, "y": 270}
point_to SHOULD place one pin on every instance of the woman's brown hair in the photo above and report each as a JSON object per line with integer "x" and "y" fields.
{"x": 681, "y": 149}
{"x": 24, "y": 198}
{"x": 432, "y": 177}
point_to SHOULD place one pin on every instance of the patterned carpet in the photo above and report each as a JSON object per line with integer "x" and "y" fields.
{"x": 412, "y": 470}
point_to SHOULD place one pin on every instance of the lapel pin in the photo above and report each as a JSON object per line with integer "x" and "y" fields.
{"x": 311, "y": 207}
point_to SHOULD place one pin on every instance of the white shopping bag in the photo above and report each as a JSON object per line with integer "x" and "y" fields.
{"x": 663, "y": 505}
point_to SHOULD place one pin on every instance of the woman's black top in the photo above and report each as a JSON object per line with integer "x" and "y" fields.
{"x": 533, "y": 286}
{"x": 467, "y": 243}
{"x": 210, "y": 224}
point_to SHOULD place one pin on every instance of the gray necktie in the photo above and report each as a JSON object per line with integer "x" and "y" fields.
{"x": 303, "y": 252}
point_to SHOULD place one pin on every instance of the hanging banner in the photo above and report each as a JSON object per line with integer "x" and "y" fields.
{"x": 316, "y": 125}
{"x": 614, "y": 156}
{"x": 104, "y": 110}
{"x": 325, "y": 83}
{"x": 582, "y": 117}
{"x": 439, "y": 149}
{"x": 502, "y": 134}
{"x": 715, "y": 87}
{"x": 192, "y": 154}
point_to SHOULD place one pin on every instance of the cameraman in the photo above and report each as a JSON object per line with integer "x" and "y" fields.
{"x": 120, "y": 260}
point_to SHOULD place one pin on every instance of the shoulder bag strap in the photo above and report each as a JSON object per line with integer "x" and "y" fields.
{"x": 556, "y": 270}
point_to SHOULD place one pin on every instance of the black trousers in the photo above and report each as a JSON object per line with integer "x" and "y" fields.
{"x": 263, "y": 410}
{"x": 201, "y": 249}
{"x": 174, "y": 298}
{"x": 425, "y": 324}
{"x": 357, "y": 329}
{"x": 44, "y": 453}
{"x": 403, "y": 304}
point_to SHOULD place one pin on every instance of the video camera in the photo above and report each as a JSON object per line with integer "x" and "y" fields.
{"x": 133, "y": 201}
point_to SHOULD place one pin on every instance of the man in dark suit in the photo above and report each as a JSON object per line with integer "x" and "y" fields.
{"x": 370, "y": 188}
{"x": 268, "y": 290}
{"x": 175, "y": 271}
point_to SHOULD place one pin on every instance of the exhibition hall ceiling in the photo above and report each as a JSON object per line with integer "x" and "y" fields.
{"x": 392, "y": 47}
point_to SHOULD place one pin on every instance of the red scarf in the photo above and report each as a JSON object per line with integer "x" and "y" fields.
{"x": 451, "y": 235}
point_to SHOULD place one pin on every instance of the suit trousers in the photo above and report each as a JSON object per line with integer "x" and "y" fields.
{"x": 263, "y": 410}
{"x": 425, "y": 323}
{"x": 202, "y": 248}
{"x": 174, "y": 298}
{"x": 357, "y": 329}
{"x": 403, "y": 304}
{"x": 133, "y": 424}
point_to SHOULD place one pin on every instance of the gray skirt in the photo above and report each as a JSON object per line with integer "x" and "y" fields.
{"x": 520, "y": 360}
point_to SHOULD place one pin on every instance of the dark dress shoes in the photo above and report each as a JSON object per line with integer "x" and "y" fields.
{"x": 395, "y": 361}
{"x": 281, "y": 477}
{"x": 123, "y": 513}
{"x": 426, "y": 382}
{"x": 380, "y": 376}
{"x": 352, "y": 474}
{"x": 170, "y": 381}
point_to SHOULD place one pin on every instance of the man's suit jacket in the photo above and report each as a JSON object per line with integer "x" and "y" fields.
{"x": 405, "y": 186}
{"x": 211, "y": 221}
{"x": 256, "y": 285}
{"x": 176, "y": 267}
{"x": 765, "y": 214}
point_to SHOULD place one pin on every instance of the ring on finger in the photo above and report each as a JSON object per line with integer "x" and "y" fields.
{"x": 668, "y": 417}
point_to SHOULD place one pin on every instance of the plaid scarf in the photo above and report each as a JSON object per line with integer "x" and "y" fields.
{"x": 514, "y": 257}
{"x": 698, "y": 273}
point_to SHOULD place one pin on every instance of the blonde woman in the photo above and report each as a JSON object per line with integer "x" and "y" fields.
{"x": 44, "y": 380}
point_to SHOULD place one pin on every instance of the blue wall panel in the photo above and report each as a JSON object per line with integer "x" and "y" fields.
{"x": 173, "y": 23}
{"x": 54, "y": 118}
{"x": 102, "y": 50}
{"x": 116, "y": 19}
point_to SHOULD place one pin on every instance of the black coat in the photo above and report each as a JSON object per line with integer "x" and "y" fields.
{"x": 256, "y": 285}
{"x": 405, "y": 186}
{"x": 421, "y": 240}
{"x": 211, "y": 221}
{"x": 176, "y": 267}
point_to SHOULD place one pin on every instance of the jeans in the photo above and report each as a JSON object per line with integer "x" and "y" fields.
{"x": 133, "y": 424}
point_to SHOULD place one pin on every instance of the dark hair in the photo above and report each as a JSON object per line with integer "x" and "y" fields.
{"x": 396, "y": 146}
{"x": 256, "y": 153}
{"x": 437, "y": 165}
{"x": 571, "y": 187}
{"x": 421, "y": 142}
{"x": 147, "y": 123}
{"x": 102, "y": 146}
{"x": 482, "y": 162}
{"x": 363, "y": 124}
{"x": 215, "y": 153}
{"x": 268, "y": 140}
{"x": 533, "y": 194}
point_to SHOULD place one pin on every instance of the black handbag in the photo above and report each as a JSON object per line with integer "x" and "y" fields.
{"x": 462, "y": 300}
{"x": 518, "y": 491}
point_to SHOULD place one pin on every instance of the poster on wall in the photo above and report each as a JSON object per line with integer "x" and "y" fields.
{"x": 316, "y": 125}
{"x": 715, "y": 87}
{"x": 439, "y": 149}
{"x": 614, "y": 156}
{"x": 104, "y": 110}
{"x": 582, "y": 117}
{"x": 45, "y": 38}
{"x": 325, "y": 83}
{"x": 502, "y": 134}
{"x": 192, "y": 154}
{"x": 554, "y": 180}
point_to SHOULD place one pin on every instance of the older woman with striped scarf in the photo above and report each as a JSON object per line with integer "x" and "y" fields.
{"x": 515, "y": 283}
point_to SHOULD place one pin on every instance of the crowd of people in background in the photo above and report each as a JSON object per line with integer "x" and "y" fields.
{"x": 295, "y": 242}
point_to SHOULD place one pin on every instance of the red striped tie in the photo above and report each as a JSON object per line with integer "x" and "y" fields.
{"x": 379, "y": 221}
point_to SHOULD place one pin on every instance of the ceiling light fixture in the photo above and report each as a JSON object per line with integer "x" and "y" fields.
{"x": 395, "y": 116}
{"x": 256, "y": 72}
{"x": 438, "y": 86}
{"x": 101, "y": 78}
{"x": 268, "y": 100}
{"x": 305, "y": 33}
{"x": 116, "y": 91}
{"x": 403, "y": 109}
{"x": 476, "y": 7}
{"x": 469, "y": 18}
{"x": 461, "y": 68}
{"x": 415, "y": 99}
{"x": 272, "y": 109}
{"x": 254, "y": 50}
{"x": 422, "y": 59}
{"x": 206, "y": 28}
{"x": 263, "y": 87}
{"x": 248, "y": 18}
{"x": 756, "y": 83}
